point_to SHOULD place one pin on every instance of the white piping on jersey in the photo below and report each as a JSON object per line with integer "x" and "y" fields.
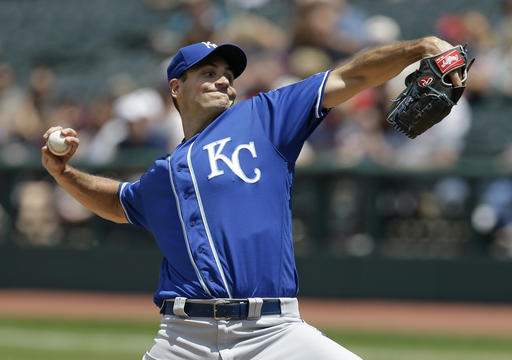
{"x": 123, "y": 185}
{"x": 203, "y": 217}
{"x": 185, "y": 236}
{"x": 319, "y": 95}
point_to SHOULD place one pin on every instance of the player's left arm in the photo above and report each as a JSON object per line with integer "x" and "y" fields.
{"x": 375, "y": 66}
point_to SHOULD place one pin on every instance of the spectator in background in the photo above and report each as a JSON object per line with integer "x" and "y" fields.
{"x": 381, "y": 30}
{"x": 36, "y": 110}
{"x": 264, "y": 43}
{"x": 254, "y": 33}
{"x": 351, "y": 22}
{"x": 37, "y": 221}
{"x": 11, "y": 99}
{"x": 482, "y": 42}
{"x": 363, "y": 136}
{"x": 316, "y": 24}
{"x": 265, "y": 70}
{"x": 189, "y": 21}
{"x": 41, "y": 90}
{"x": 305, "y": 61}
{"x": 504, "y": 25}
{"x": 136, "y": 125}
{"x": 23, "y": 114}
{"x": 493, "y": 217}
{"x": 97, "y": 114}
{"x": 501, "y": 56}
{"x": 202, "y": 18}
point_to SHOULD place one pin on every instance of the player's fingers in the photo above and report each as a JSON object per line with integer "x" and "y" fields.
{"x": 46, "y": 153}
{"x": 71, "y": 140}
{"x": 69, "y": 132}
{"x": 50, "y": 130}
{"x": 456, "y": 79}
{"x": 73, "y": 147}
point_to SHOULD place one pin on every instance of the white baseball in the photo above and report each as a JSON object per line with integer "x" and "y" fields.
{"x": 57, "y": 145}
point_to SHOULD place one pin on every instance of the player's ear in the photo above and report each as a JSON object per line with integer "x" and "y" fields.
{"x": 174, "y": 87}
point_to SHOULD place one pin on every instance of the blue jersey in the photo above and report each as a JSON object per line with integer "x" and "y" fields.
{"x": 219, "y": 206}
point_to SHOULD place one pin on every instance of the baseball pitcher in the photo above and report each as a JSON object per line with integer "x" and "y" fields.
{"x": 219, "y": 205}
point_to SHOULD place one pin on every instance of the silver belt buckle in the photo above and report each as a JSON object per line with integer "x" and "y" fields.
{"x": 219, "y": 302}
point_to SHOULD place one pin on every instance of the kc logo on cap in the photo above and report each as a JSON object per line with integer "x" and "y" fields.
{"x": 209, "y": 44}
{"x": 190, "y": 55}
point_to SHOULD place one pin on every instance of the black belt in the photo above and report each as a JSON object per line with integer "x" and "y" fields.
{"x": 223, "y": 309}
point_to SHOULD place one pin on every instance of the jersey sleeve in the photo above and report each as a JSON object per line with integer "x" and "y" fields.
{"x": 131, "y": 198}
{"x": 291, "y": 113}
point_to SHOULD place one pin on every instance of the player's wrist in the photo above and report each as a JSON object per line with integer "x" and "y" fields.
{"x": 62, "y": 172}
{"x": 432, "y": 46}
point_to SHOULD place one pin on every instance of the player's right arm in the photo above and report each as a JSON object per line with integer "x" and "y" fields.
{"x": 96, "y": 193}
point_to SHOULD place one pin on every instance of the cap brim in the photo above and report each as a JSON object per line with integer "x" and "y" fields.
{"x": 233, "y": 55}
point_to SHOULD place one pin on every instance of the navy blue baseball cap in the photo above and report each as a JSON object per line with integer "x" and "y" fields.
{"x": 190, "y": 55}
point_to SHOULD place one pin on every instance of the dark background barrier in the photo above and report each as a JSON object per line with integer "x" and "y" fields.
{"x": 132, "y": 270}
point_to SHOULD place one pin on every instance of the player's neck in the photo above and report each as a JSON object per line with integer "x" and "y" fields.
{"x": 195, "y": 123}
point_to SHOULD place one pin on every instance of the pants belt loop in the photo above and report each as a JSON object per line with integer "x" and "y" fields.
{"x": 289, "y": 307}
{"x": 255, "y": 305}
{"x": 178, "y": 307}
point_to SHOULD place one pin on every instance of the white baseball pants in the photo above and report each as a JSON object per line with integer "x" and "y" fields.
{"x": 271, "y": 337}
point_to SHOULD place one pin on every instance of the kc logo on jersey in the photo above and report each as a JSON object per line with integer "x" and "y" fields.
{"x": 215, "y": 154}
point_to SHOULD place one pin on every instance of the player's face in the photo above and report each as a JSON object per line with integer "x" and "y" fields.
{"x": 208, "y": 88}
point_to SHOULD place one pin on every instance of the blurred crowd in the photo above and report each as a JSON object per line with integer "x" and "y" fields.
{"x": 320, "y": 34}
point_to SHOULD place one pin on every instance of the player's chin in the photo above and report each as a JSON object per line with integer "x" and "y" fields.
{"x": 219, "y": 105}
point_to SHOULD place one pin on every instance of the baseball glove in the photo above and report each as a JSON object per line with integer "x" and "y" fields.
{"x": 429, "y": 95}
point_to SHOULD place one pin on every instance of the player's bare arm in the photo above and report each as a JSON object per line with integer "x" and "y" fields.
{"x": 375, "y": 66}
{"x": 96, "y": 193}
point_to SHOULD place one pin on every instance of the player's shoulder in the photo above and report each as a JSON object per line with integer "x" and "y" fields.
{"x": 292, "y": 85}
{"x": 160, "y": 167}
{"x": 162, "y": 161}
